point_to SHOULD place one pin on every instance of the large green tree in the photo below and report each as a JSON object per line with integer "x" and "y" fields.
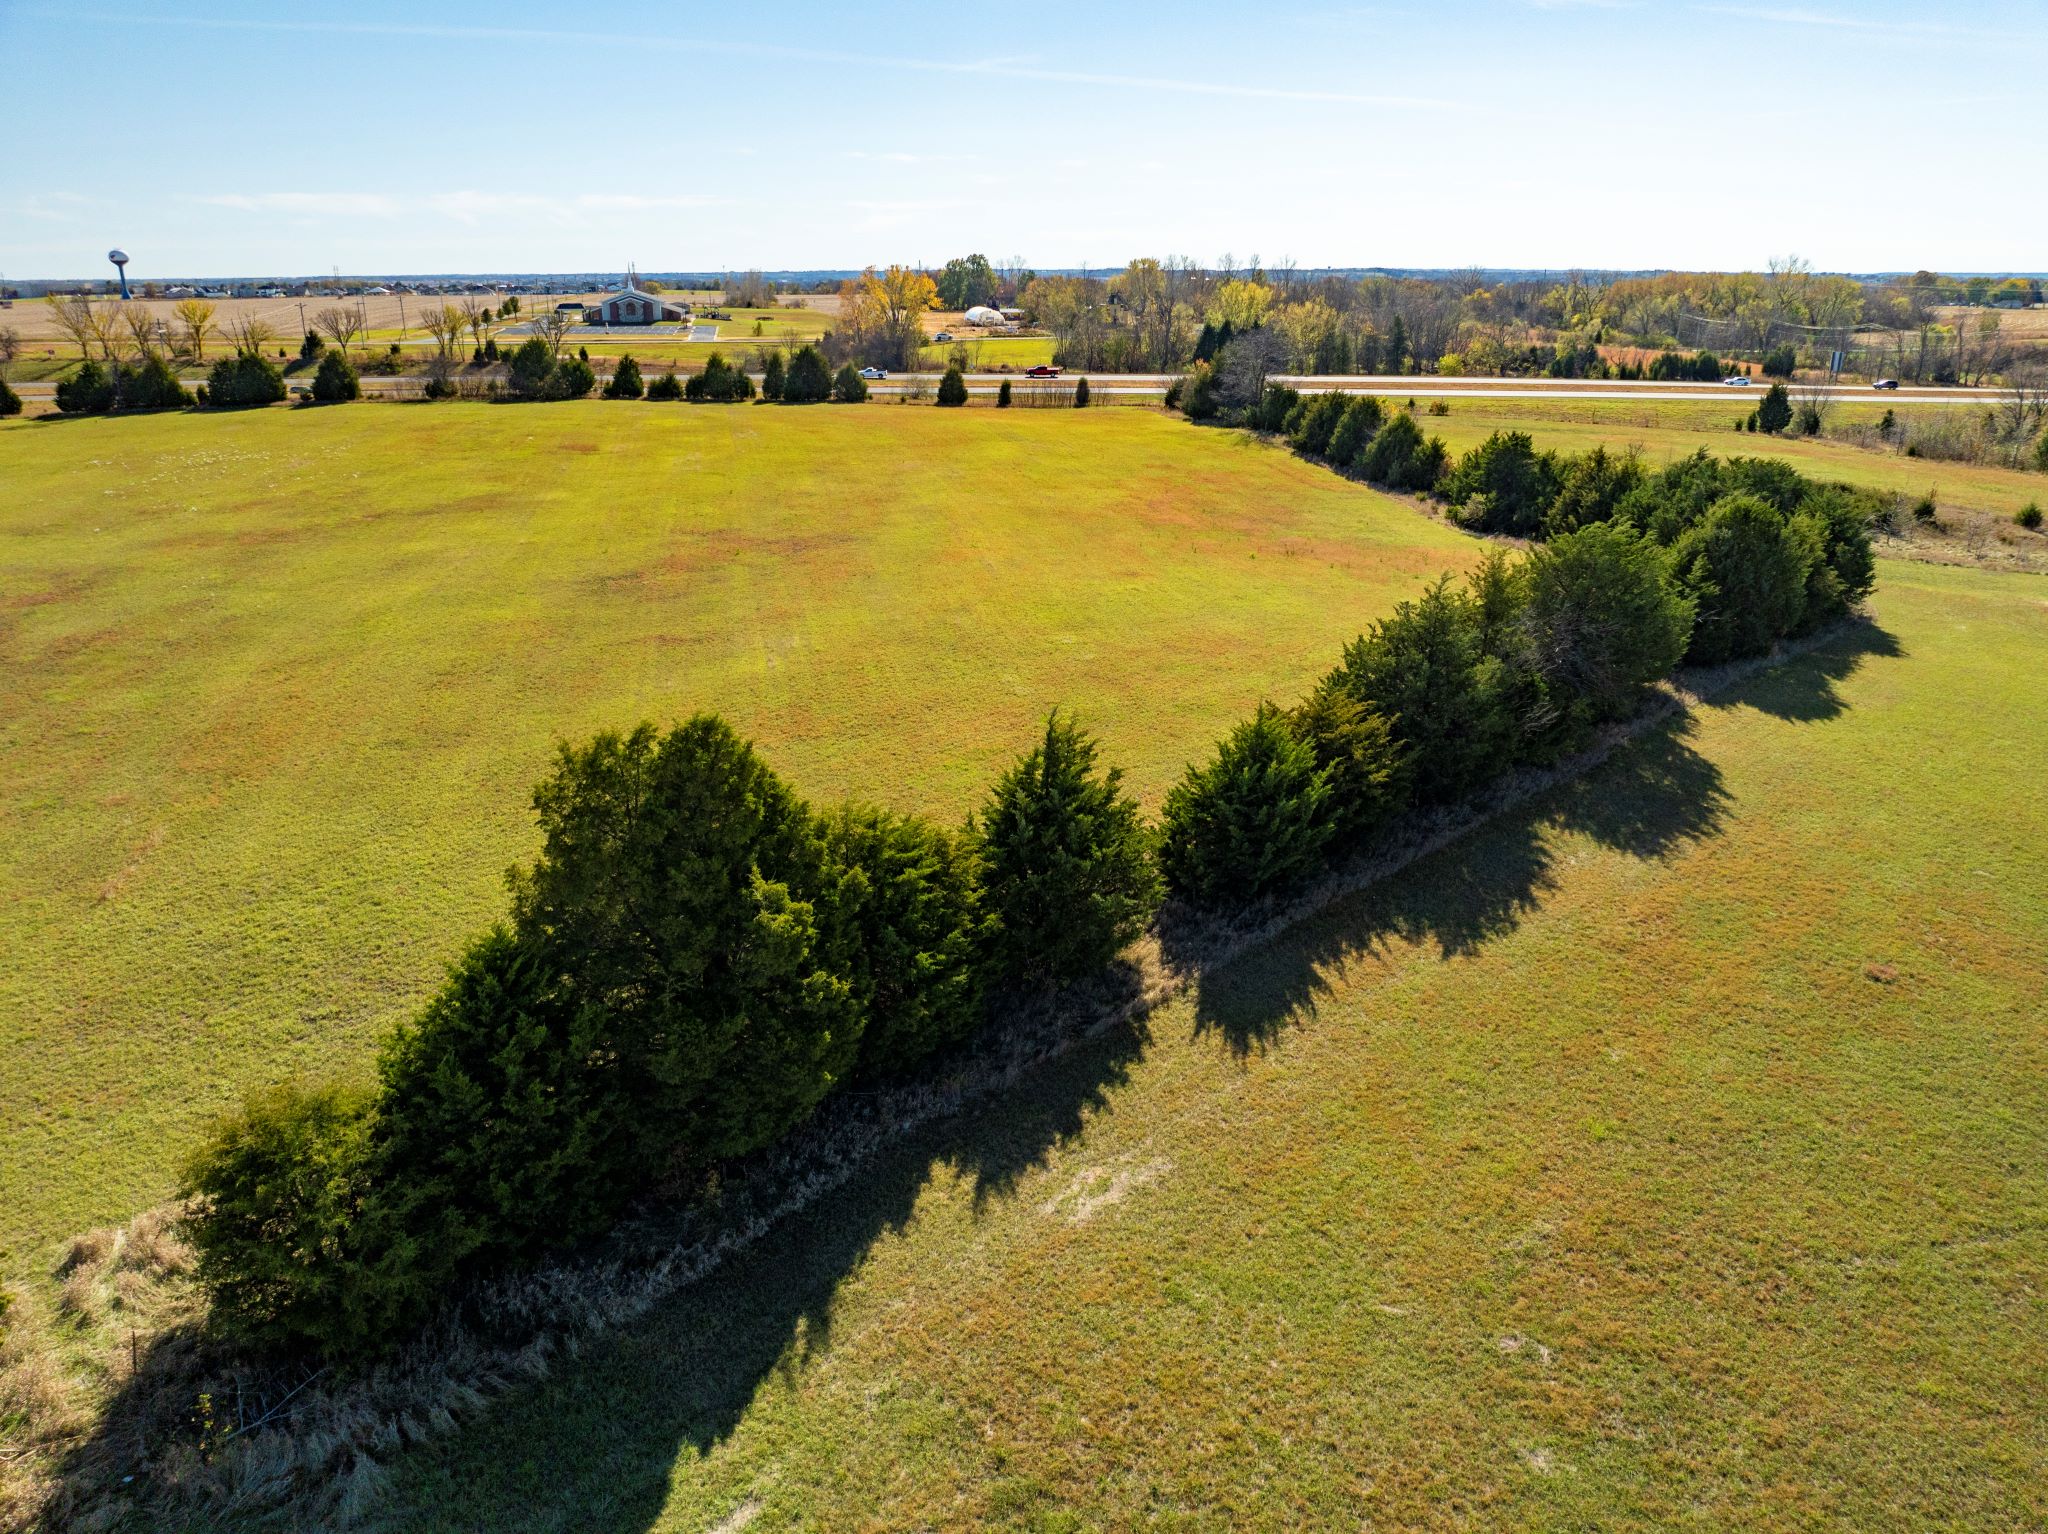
{"x": 967, "y": 281}
{"x": 1067, "y": 868}
{"x": 1426, "y": 669}
{"x": 1253, "y": 820}
{"x": 1746, "y": 576}
{"x": 684, "y": 892}
{"x": 1600, "y": 618}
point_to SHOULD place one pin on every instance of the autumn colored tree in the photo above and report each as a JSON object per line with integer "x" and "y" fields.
{"x": 196, "y": 316}
{"x": 883, "y": 311}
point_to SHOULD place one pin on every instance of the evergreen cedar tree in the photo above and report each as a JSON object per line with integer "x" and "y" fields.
{"x": 1003, "y": 395}
{"x": 1067, "y": 873}
{"x": 1313, "y": 421}
{"x": 1591, "y": 489}
{"x": 1356, "y": 752}
{"x": 1745, "y": 571}
{"x": 89, "y": 391}
{"x": 1425, "y": 669}
{"x": 809, "y": 380}
{"x": 694, "y": 961}
{"x": 771, "y": 377}
{"x": 244, "y": 379}
{"x": 1354, "y": 431}
{"x": 919, "y": 933}
{"x": 10, "y": 402}
{"x": 1254, "y": 820}
{"x": 1774, "y": 411}
{"x": 572, "y": 378}
{"x": 625, "y": 381}
{"x": 953, "y": 388}
{"x": 1400, "y": 459}
{"x": 277, "y": 1188}
{"x": 1600, "y": 619}
{"x": 1504, "y": 485}
{"x": 1080, "y": 393}
{"x": 848, "y": 387}
{"x": 336, "y": 381}
{"x": 151, "y": 384}
{"x": 685, "y": 893}
{"x": 1274, "y": 409}
{"x": 312, "y": 346}
{"x": 719, "y": 383}
{"x": 536, "y": 373}
{"x": 666, "y": 387}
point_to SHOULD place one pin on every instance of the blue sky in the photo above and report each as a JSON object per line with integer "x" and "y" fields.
{"x": 430, "y": 136}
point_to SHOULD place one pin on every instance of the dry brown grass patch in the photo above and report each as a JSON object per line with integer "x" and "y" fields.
{"x": 88, "y": 1251}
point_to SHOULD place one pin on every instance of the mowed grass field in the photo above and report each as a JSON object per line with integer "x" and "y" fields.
{"x": 275, "y": 687}
{"x": 1667, "y": 1154}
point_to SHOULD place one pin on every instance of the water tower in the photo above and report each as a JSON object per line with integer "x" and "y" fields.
{"x": 120, "y": 260}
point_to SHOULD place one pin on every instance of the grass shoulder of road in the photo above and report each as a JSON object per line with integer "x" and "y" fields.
{"x": 275, "y": 685}
{"x": 1667, "y": 1151}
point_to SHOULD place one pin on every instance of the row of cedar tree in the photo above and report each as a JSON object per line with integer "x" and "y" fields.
{"x": 698, "y": 958}
{"x": 533, "y": 372}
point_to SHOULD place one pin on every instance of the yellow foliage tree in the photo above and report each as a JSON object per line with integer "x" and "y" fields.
{"x": 1242, "y": 303}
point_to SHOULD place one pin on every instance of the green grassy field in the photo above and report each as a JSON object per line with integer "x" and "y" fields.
{"x": 993, "y": 353}
{"x": 1669, "y": 1153}
{"x": 274, "y": 687}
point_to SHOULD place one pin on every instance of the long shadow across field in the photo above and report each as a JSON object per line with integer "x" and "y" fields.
{"x": 596, "y": 1447}
{"x": 1806, "y": 692}
{"x": 1651, "y": 799}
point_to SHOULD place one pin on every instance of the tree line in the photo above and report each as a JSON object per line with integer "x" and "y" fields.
{"x": 1759, "y": 551}
{"x": 698, "y": 958}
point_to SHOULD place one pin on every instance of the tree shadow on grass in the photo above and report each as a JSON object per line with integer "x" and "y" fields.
{"x": 596, "y": 1447}
{"x": 1804, "y": 690}
{"x": 1655, "y": 796}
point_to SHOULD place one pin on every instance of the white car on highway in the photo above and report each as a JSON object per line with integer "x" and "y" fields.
{"x": 1736, "y": 381}
{"x": 874, "y": 372}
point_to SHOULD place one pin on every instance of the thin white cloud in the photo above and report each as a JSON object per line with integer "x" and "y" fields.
{"x": 1794, "y": 16}
{"x": 994, "y": 68}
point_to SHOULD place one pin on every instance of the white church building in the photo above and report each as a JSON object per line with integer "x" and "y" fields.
{"x": 633, "y": 306}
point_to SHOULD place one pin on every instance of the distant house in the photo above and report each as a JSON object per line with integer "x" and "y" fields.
{"x": 631, "y": 305}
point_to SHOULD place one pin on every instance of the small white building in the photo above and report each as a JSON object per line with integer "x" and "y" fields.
{"x": 631, "y": 305}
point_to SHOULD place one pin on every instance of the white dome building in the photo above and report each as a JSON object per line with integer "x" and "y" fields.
{"x": 982, "y": 314}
